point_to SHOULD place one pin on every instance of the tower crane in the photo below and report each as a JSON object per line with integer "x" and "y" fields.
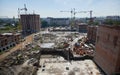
{"x": 91, "y": 19}
{"x": 74, "y": 12}
{"x": 71, "y": 11}
{"x": 20, "y": 9}
{"x": 90, "y": 12}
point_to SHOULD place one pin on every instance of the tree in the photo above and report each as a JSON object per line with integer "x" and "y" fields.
{"x": 108, "y": 21}
{"x": 112, "y": 22}
{"x": 44, "y": 24}
{"x": 1, "y": 21}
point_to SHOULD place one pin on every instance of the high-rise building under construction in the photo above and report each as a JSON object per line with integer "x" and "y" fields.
{"x": 30, "y": 23}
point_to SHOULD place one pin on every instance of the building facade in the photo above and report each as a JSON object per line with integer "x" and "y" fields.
{"x": 113, "y": 18}
{"x": 58, "y": 21}
{"x": 107, "y": 54}
{"x": 8, "y": 40}
{"x": 91, "y": 33}
{"x": 82, "y": 27}
{"x": 30, "y": 23}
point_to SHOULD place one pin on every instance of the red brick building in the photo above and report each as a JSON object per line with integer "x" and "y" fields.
{"x": 91, "y": 33}
{"x": 8, "y": 40}
{"x": 30, "y": 23}
{"x": 107, "y": 54}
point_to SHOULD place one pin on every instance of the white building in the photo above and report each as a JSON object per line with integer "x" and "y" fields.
{"x": 113, "y": 17}
{"x": 58, "y": 21}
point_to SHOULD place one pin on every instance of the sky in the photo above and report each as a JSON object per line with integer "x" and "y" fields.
{"x": 52, "y": 8}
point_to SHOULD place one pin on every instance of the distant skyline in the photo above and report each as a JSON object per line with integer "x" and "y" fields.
{"x": 52, "y": 8}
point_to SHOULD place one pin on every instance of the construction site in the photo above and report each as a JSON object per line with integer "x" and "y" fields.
{"x": 52, "y": 53}
{"x": 76, "y": 49}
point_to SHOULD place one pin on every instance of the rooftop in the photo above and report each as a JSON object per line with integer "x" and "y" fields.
{"x": 47, "y": 45}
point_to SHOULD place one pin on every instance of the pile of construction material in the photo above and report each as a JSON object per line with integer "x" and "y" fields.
{"x": 81, "y": 48}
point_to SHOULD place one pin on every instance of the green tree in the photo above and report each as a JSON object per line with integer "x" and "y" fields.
{"x": 44, "y": 24}
{"x": 108, "y": 21}
{"x": 112, "y": 22}
{"x": 1, "y": 21}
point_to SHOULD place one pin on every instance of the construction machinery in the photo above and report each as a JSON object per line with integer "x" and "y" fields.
{"x": 90, "y": 12}
{"x": 20, "y": 9}
{"x": 74, "y": 12}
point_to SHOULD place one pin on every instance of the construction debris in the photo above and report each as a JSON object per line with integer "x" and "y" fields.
{"x": 81, "y": 48}
{"x": 29, "y": 61}
{"x": 21, "y": 62}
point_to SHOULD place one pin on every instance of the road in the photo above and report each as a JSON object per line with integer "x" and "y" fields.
{"x": 19, "y": 46}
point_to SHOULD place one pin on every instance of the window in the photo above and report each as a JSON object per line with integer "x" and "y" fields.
{"x": 7, "y": 47}
{"x": 3, "y": 48}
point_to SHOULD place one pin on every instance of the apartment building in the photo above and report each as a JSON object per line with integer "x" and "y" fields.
{"x": 30, "y": 23}
{"x": 58, "y": 21}
{"x": 8, "y": 40}
{"x": 113, "y": 18}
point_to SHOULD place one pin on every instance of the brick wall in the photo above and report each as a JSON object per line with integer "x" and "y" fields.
{"x": 7, "y": 41}
{"x": 30, "y": 23}
{"x": 107, "y": 54}
{"x": 91, "y": 33}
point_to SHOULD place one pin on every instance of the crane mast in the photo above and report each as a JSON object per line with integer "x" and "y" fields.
{"x": 74, "y": 12}
{"x": 20, "y": 9}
